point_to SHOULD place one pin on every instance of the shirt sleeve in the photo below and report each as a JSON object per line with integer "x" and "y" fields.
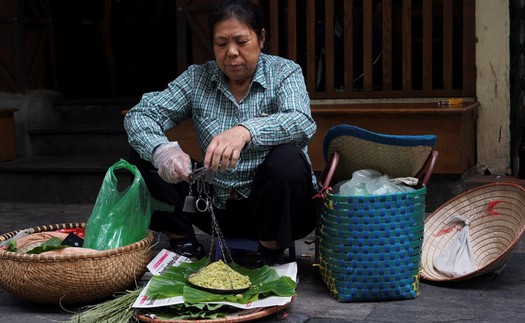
{"x": 293, "y": 122}
{"x": 157, "y": 112}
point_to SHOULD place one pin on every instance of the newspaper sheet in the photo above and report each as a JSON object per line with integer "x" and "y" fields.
{"x": 166, "y": 258}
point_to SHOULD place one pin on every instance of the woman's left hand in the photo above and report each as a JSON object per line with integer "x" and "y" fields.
{"x": 225, "y": 148}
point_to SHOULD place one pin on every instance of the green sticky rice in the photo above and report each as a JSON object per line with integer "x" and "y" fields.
{"x": 219, "y": 276}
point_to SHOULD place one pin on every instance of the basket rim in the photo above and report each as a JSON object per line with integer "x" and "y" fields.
{"x": 497, "y": 262}
{"x": 420, "y": 190}
{"x": 4, "y": 254}
{"x": 259, "y": 313}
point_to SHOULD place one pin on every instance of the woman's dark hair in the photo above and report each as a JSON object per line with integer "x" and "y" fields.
{"x": 244, "y": 10}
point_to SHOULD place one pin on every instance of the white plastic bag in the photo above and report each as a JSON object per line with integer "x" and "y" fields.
{"x": 458, "y": 258}
{"x": 372, "y": 182}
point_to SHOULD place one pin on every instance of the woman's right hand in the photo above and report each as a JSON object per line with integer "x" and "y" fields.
{"x": 173, "y": 164}
{"x": 224, "y": 149}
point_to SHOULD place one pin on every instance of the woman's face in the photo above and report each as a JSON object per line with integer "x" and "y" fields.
{"x": 236, "y": 49}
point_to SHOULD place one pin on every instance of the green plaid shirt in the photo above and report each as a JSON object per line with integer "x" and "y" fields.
{"x": 275, "y": 110}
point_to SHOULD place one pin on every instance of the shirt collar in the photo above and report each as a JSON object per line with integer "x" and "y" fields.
{"x": 259, "y": 76}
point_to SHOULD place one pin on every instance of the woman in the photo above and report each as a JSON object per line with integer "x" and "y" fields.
{"x": 251, "y": 114}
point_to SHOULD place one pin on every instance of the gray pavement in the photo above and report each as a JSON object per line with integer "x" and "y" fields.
{"x": 490, "y": 298}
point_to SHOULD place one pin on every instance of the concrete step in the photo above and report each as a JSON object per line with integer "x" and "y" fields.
{"x": 101, "y": 140}
{"x": 92, "y": 112}
{"x": 56, "y": 180}
{"x": 70, "y": 153}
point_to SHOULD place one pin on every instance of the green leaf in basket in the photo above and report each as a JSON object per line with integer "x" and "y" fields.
{"x": 265, "y": 282}
{"x": 51, "y": 244}
{"x": 11, "y": 246}
{"x": 189, "y": 312}
{"x": 171, "y": 283}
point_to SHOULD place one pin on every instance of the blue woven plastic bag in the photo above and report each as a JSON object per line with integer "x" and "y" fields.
{"x": 370, "y": 246}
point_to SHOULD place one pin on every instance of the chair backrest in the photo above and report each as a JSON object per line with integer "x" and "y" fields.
{"x": 348, "y": 148}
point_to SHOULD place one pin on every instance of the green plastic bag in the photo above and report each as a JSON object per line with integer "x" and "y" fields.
{"x": 120, "y": 218}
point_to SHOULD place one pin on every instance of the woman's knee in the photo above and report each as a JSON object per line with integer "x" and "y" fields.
{"x": 287, "y": 161}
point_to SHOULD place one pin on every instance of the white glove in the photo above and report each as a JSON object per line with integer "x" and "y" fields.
{"x": 173, "y": 164}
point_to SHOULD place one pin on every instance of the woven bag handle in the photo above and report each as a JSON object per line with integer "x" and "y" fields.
{"x": 428, "y": 167}
{"x": 423, "y": 175}
{"x": 329, "y": 170}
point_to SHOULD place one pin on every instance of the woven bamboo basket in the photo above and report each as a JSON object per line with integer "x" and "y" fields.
{"x": 72, "y": 278}
{"x": 497, "y": 222}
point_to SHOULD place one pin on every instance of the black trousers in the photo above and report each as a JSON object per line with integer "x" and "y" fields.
{"x": 280, "y": 206}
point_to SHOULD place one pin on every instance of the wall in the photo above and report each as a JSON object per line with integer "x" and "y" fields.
{"x": 493, "y": 91}
{"x": 493, "y": 86}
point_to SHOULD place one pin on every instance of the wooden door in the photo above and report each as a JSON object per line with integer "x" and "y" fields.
{"x": 193, "y": 39}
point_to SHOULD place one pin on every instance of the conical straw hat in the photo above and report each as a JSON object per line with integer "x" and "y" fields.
{"x": 497, "y": 222}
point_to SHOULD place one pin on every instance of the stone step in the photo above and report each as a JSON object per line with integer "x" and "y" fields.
{"x": 56, "y": 180}
{"x": 70, "y": 153}
{"x": 91, "y": 112}
{"x": 108, "y": 140}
